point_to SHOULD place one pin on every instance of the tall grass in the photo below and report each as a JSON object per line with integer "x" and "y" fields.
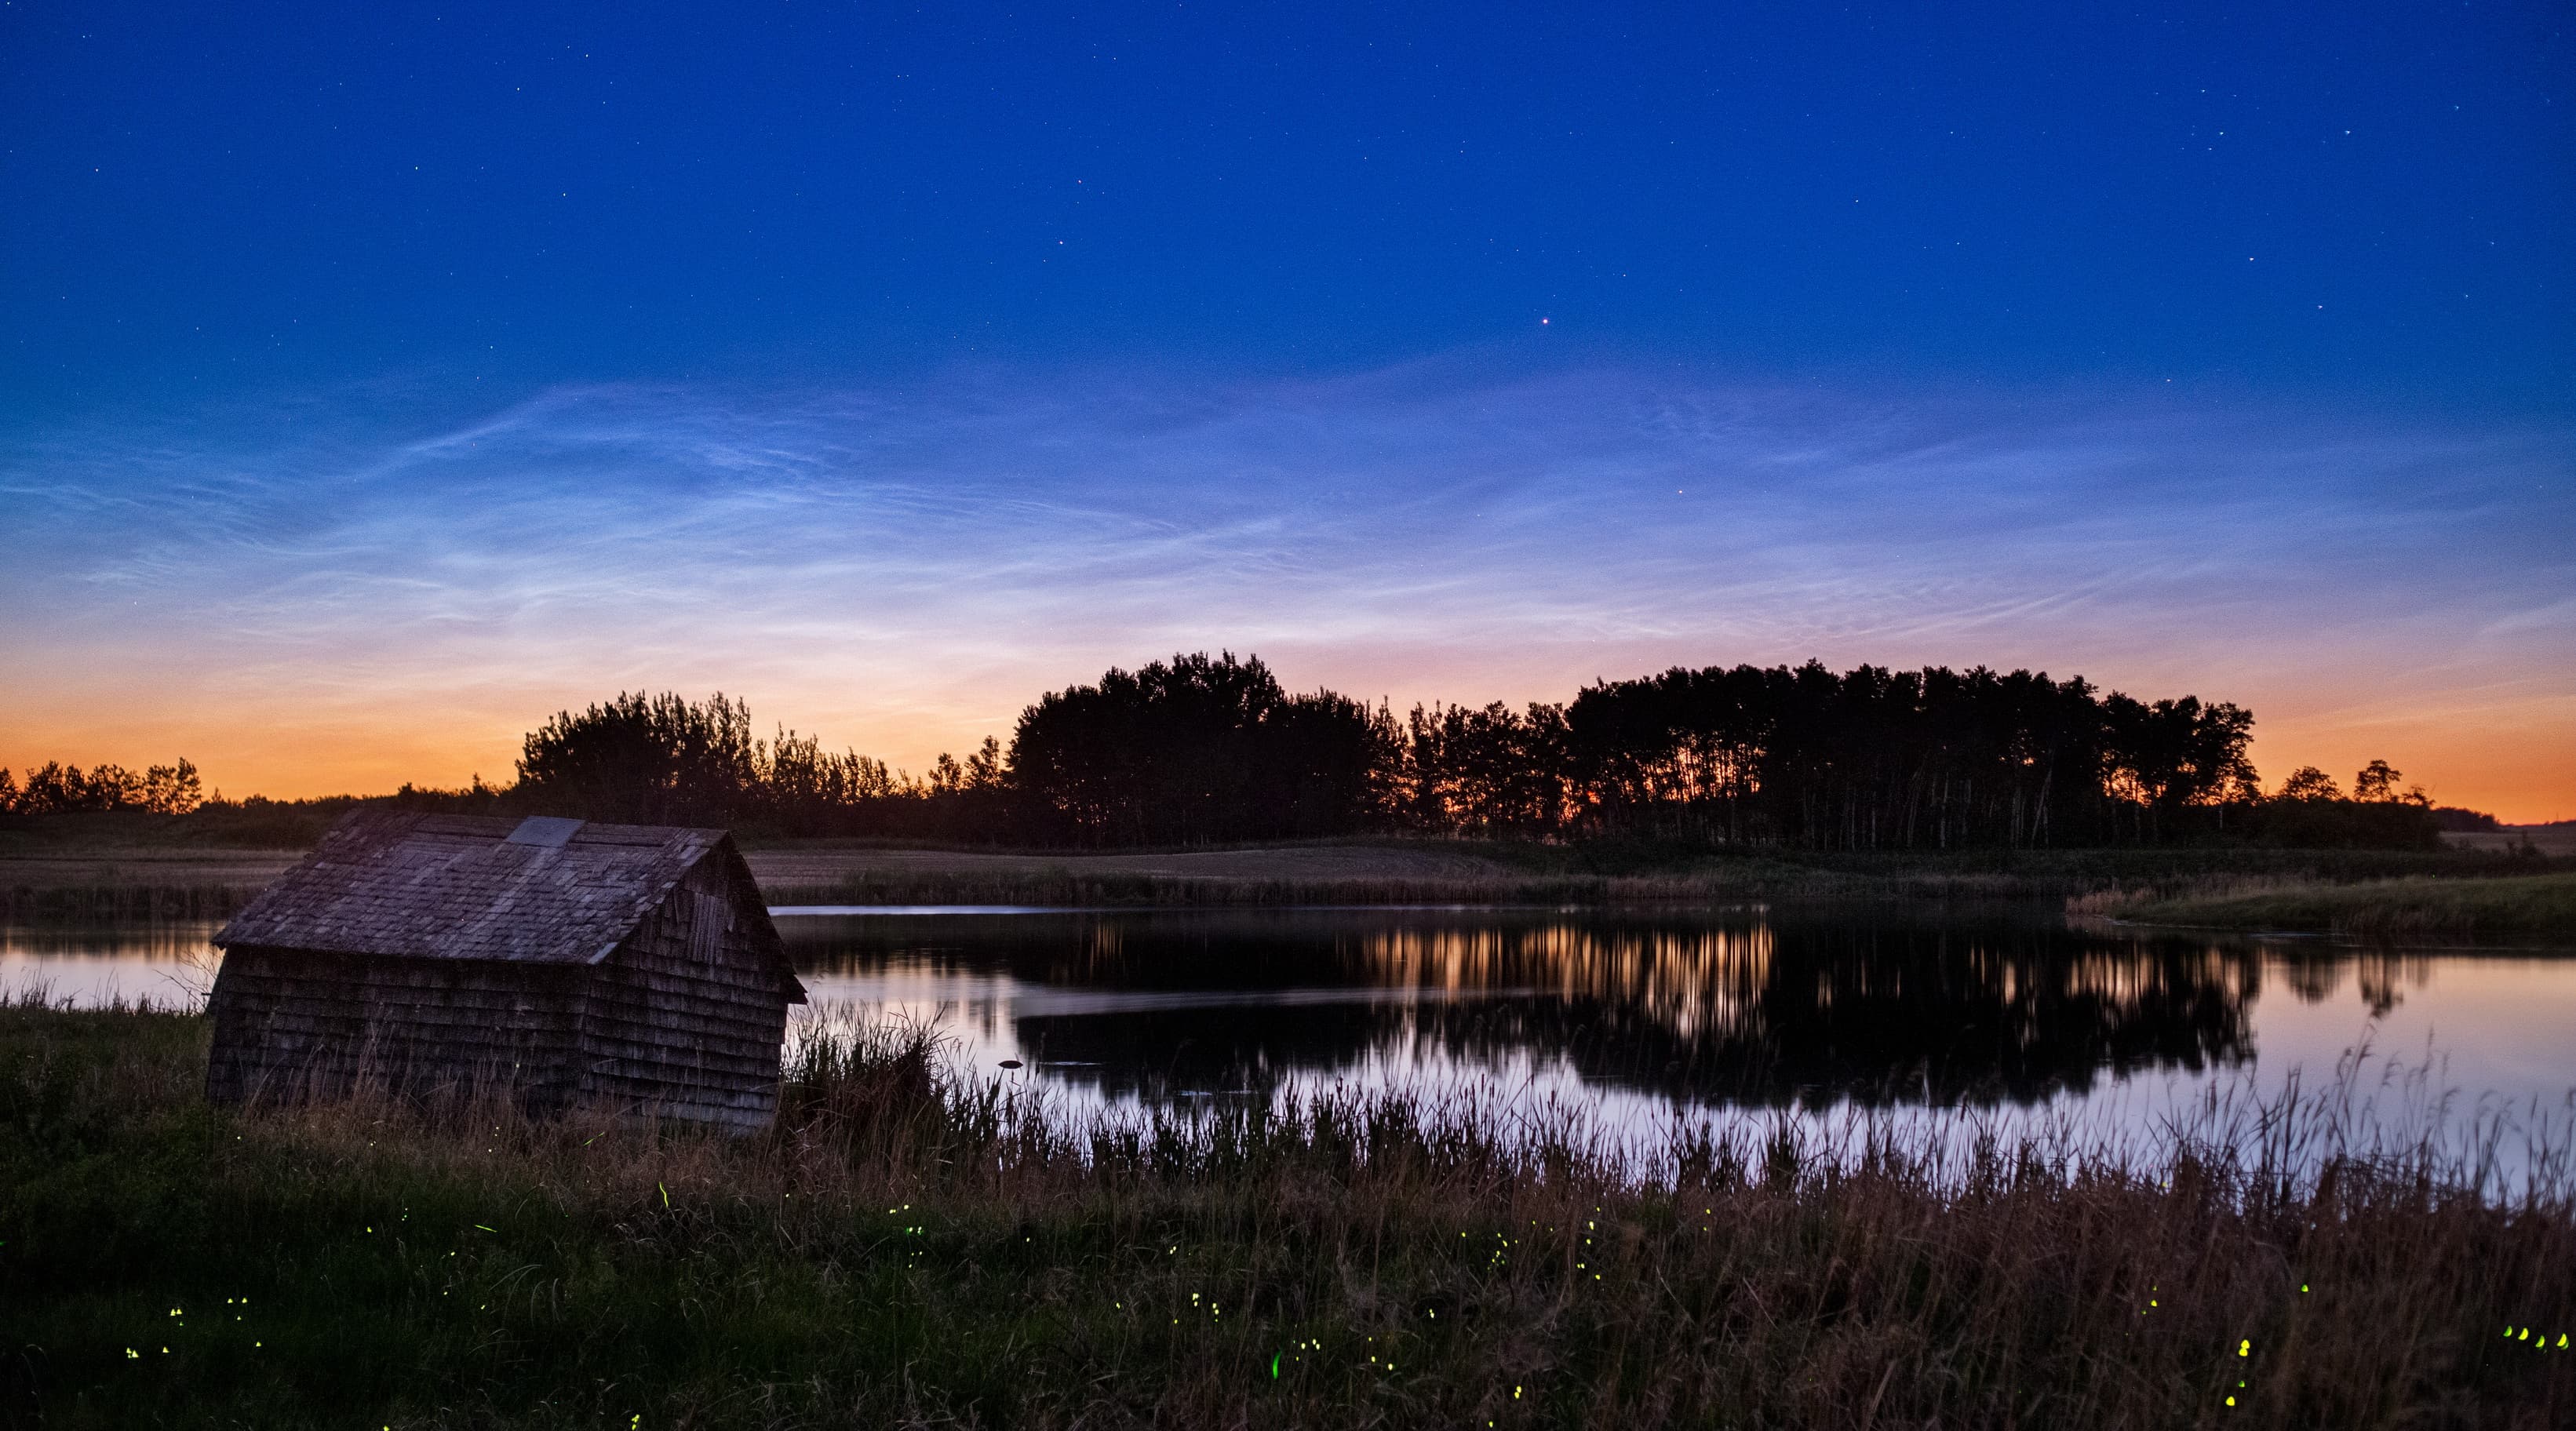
{"x": 915, "y": 1245}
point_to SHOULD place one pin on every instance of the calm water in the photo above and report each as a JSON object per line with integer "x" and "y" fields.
{"x": 1637, "y": 1015}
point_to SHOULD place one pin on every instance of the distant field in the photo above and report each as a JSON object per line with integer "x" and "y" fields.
{"x": 181, "y": 867}
{"x": 791, "y": 866}
{"x": 2558, "y": 840}
{"x": 173, "y": 868}
{"x": 2524, "y": 909}
{"x": 135, "y": 880}
{"x": 88, "y": 870}
{"x": 1394, "y": 872}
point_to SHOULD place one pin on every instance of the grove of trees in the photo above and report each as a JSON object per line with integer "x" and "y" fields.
{"x": 1207, "y": 748}
{"x": 1204, "y": 749}
{"x": 55, "y": 788}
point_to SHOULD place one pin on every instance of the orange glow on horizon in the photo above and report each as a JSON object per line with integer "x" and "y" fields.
{"x": 2515, "y": 760}
{"x": 900, "y": 569}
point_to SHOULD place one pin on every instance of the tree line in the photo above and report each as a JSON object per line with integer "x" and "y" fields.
{"x": 1205, "y": 749}
{"x": 1209, "y": 749}
{"x": 57, "y": 787}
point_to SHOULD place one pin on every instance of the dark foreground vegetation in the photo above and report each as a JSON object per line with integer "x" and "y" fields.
{"x": 911, "y": 1248}
{"x": 1202, "y": 750}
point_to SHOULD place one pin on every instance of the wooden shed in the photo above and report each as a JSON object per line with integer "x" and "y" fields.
{"x": 630, "y": 966}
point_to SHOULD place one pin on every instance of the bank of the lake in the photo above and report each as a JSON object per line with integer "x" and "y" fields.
{"x": 2493, "y": 910}
{"x": 908, "y": 1250}
{"x": 114, "y": 866}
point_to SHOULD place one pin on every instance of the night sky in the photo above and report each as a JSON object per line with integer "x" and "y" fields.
{"x": 376, "y": 380}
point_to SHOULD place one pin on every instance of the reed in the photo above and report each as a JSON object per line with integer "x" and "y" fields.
{"x": 917, "y": 1245}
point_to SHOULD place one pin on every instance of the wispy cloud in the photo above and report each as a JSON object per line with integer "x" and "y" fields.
{"x": 901, "y": 567}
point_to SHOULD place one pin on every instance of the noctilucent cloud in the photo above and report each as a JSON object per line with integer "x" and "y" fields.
{"x": 375, "y": 382}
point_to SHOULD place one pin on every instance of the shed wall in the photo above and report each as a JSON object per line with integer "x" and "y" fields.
{"x": 293, "y": 1024}
{"x": 685, "y": 1019}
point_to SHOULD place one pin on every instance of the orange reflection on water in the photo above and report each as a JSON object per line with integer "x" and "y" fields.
{"x": 1691, "y": 982}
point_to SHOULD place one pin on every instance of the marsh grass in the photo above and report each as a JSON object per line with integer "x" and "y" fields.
{"x": 2533, "y": 908}
{"x": 914, "y": 1244}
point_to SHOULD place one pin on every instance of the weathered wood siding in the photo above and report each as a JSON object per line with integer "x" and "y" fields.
{"x": 685, "y": 1019}
{"x": 292, "y": 1024}
{"x": 681, "y": 1019}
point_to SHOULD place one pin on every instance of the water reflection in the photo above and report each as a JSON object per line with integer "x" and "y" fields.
{"x": 1814, "y": 1005}
{"x": 1872, "y": 1006}
{"x": 89, "y": 963}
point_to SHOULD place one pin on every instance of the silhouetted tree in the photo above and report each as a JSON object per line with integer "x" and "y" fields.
{"x": 53, "y": 788}
{"x": 645, "y": 759}
{"x": 172, "y": 789}
{"x": 1204, "y": 748}
{"x": 1192, "y": 750}
{"x": 1875, "y": 758}
{"x": 2311, "y": 811}
{"x": 57, "y": 787}
{"x": 800, "y": 788}
{"x": 2172, "y": 755}
{"x": 2378, "y": 782}
{"x": 2309, "y": 783}
{"x": 1491, "y": 770}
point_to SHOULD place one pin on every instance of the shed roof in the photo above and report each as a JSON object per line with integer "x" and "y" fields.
{"x": 404, "y": 884}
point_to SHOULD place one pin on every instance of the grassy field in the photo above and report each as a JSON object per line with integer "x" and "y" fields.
{"x": 908, "y": 1248}
{"x": 2534, "y": 909}
{"x": 2558, "y": 839}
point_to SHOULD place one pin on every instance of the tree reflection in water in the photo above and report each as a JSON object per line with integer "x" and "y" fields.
{"x": 1812, "y": 1005}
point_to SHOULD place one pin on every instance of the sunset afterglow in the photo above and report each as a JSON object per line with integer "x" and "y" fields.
{"x": 349, "y": 436}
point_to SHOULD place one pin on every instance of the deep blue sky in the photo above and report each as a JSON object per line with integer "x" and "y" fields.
{"x": 376, "y": 379}
{"x": 2372, "y": 200}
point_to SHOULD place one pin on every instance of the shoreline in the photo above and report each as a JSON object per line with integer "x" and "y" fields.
{"x": 2534, "y": 912}
{"x": 148, "y": 881}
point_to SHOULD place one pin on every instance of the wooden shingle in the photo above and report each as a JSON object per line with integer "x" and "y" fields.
{"x": 572, "y": 962}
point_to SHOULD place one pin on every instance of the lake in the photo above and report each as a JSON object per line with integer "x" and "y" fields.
{"x": 1638, "y": 1016}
